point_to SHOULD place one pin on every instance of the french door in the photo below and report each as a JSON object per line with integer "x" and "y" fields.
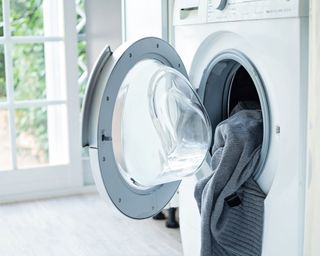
{"x": 39, "y": 98}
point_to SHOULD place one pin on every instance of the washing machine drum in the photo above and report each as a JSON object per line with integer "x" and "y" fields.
{"x": 144, "y": 124}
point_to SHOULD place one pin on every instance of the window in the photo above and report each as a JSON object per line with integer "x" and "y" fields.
{"x": 39, "y": 101}
{"x": 82, "y": 57}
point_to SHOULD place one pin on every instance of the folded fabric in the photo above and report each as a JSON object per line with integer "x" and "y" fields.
{"x": 231, "y": 203}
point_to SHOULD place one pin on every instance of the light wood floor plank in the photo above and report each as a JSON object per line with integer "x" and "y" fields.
{"x": 81, "y": 226}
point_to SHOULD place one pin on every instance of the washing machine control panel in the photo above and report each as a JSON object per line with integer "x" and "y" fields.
{"x": 206, "y": 11}
{"x": 255, "y": 9}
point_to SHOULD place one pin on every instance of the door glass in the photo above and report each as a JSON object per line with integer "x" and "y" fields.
{"x": 160, "y": 131}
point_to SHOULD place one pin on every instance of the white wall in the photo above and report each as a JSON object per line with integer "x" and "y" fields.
{"x": 103, "y": 27}
{"x": 144, "y": 18}
{"x": 312, "y": 238}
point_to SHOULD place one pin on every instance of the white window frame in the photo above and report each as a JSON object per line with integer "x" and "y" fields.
{"x": 50, "y": 179}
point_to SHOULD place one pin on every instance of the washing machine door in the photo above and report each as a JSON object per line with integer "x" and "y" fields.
{"x": 145, "y": 126}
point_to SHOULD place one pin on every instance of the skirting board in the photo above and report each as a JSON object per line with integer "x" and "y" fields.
{"x": 39, "y": 195}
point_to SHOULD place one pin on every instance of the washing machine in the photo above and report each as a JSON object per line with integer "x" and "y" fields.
{"x": 222, "y": 52}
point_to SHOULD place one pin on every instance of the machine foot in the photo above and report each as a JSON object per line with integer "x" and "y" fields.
{"x": 159, "y": 216}
{"x": 172, "y": 222}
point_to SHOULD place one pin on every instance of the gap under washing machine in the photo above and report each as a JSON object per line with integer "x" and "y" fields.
{"x": 229, "y": 51}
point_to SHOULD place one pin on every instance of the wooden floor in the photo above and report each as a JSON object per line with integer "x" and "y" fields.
{"x": 81, "y": 226}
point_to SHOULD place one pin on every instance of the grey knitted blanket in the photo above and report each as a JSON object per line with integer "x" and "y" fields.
{"x": 231, "y": 203}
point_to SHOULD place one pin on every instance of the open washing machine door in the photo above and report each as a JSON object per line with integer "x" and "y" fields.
{"x": 145, "y": 126}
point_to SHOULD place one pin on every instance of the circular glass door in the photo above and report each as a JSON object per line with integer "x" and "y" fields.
{"x": 145, "y": 126}
{"x": 160, "y": 129}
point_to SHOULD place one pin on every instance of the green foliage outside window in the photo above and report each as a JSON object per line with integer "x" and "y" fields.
{"x": 2, "y": 75}
{"x": 28, "y": 71}
{"x": 31, "y": 125}
{"x": 29, "y": 75}
{"x": 28, "y": 60}
{"x": 26, "y": 17}
{"x": 1, "y": 19}
{"x": 80, "y": 13}
{"x": 81, "y": 69}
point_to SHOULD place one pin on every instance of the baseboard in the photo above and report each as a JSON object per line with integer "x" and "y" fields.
{"x": 39, "y": 195}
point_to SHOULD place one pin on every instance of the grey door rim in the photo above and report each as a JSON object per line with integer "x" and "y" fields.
{"x": 134, "y": 202}
{"x": 241, "y": 59}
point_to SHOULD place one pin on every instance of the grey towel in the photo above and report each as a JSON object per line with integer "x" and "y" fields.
{"x": 231, "y": 203}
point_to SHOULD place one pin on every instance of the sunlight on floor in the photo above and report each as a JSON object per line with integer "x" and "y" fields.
{"x": 81, "y": 226}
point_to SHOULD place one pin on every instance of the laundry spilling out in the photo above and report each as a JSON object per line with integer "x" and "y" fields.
{"x": 230, "y": 201}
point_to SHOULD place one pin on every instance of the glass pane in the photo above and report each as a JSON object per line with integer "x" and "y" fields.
{"x": 81, "y": 16}
{"x": 82, "y": 68}
{"x": 160, "y": 129}
{"x": 180, "y": 120}
{"x": 42, "y": 136}
{"x": 5, "y": 149}
{"x": 58, "y": 135}
{"x": 1, "y": 19}
{"x": 2, "y": 75}
{"x": 32, "y": 137}
{"x": 29, "y": 71}
{"x": 26, "y": 17}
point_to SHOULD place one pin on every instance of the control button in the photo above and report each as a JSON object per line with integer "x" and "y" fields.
{"x": 219, "y": 4}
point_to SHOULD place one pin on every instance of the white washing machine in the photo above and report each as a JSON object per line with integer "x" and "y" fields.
{"x": 273, "y": 37}
{"x": 230, "y": 51}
